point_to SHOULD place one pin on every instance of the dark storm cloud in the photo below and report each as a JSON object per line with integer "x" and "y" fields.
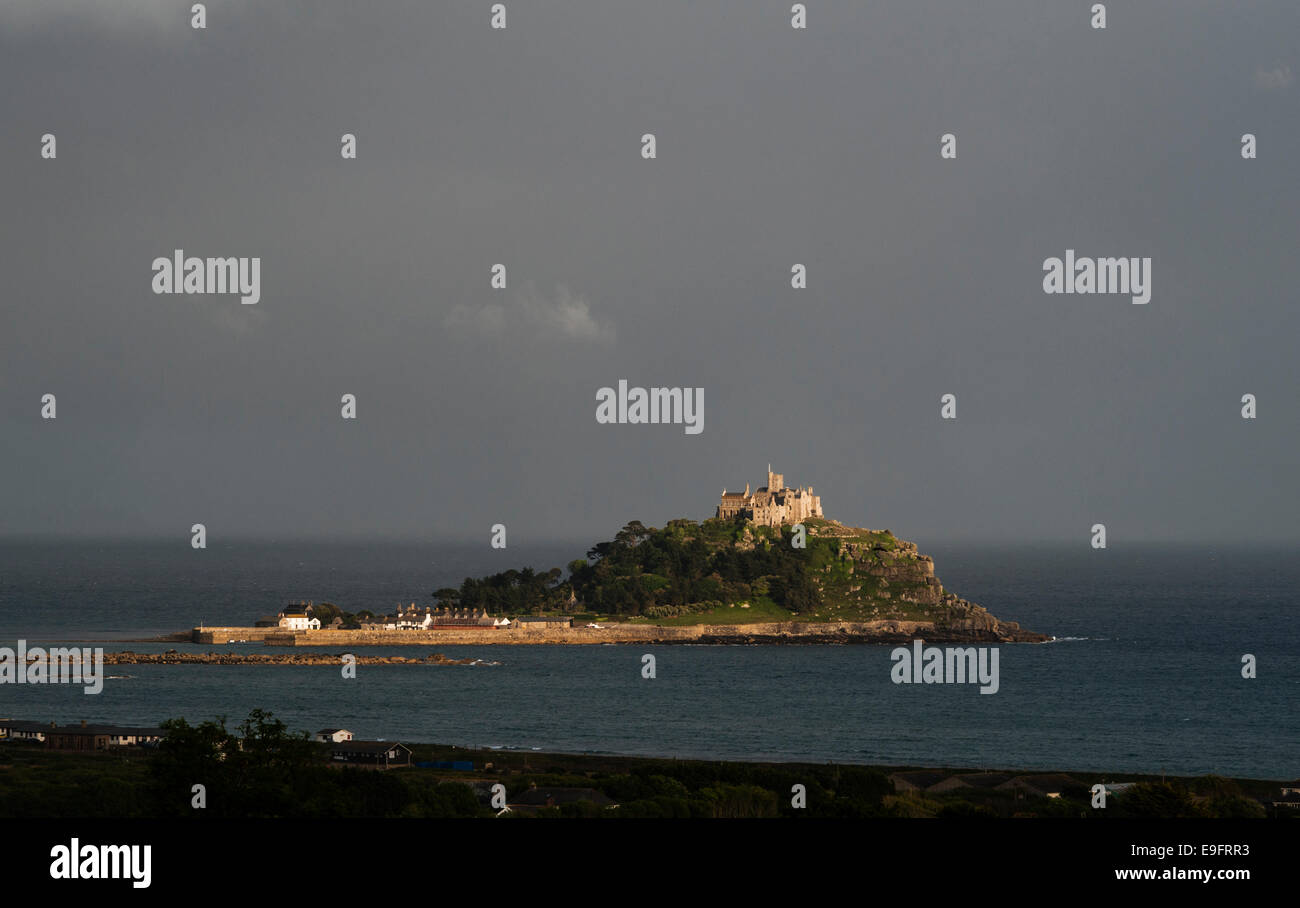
{"x": 521, "y": 147}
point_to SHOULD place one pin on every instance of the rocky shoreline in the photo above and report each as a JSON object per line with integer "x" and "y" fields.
{"x": 172, "y": 657}
{"x": 886, "y": 639}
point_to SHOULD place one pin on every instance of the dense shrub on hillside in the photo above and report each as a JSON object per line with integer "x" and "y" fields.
{"x": 266, "y": 771}
{"x": 681, "y": 569}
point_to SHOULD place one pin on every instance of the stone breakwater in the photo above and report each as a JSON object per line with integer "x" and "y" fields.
{"x": 976, "y": 627}
{"x": 174, "y": 658}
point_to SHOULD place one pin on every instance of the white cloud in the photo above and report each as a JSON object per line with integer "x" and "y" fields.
{"x": 565, "y": 317}
{"x": 1278, "y": 77}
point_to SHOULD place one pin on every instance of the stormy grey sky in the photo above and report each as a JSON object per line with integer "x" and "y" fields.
{"x": 775, "y": 146}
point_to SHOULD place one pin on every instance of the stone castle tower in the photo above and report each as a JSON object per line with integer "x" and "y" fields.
{"x": 772, "y": 505}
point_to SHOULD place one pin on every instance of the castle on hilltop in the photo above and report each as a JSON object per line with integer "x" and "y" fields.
{"x": 772, "y": 505}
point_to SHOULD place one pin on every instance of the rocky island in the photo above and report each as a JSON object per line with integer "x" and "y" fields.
{"x": 769, "y": 567}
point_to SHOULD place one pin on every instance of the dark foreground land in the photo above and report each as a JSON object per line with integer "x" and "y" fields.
{"x": 261, "y": 770}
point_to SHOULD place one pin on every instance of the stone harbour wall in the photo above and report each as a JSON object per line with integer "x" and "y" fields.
{"x": 788, "y": 631}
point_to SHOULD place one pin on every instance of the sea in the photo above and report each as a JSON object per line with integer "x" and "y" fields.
{"x": 1145, "y": 674}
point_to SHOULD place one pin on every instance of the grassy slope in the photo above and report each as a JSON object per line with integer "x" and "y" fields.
{"x": 849, "y": 591}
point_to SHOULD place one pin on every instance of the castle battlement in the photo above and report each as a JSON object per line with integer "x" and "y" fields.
{"x": 772, "y": 505}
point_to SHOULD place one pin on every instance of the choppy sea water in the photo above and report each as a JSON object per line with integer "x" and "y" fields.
{"x": 1145, "y": 675}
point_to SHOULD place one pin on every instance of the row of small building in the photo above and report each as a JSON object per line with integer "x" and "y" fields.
{"x": 86, "y": 737}
{"x": 344, "y": 749}
{"x": 90, "y": 738}
{"x": 81, "y": 737}
{"x": 298, "y": 617}
{"x": 413, "y": 618}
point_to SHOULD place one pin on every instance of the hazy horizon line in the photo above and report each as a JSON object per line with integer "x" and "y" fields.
{"x": 242, "y": 539}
